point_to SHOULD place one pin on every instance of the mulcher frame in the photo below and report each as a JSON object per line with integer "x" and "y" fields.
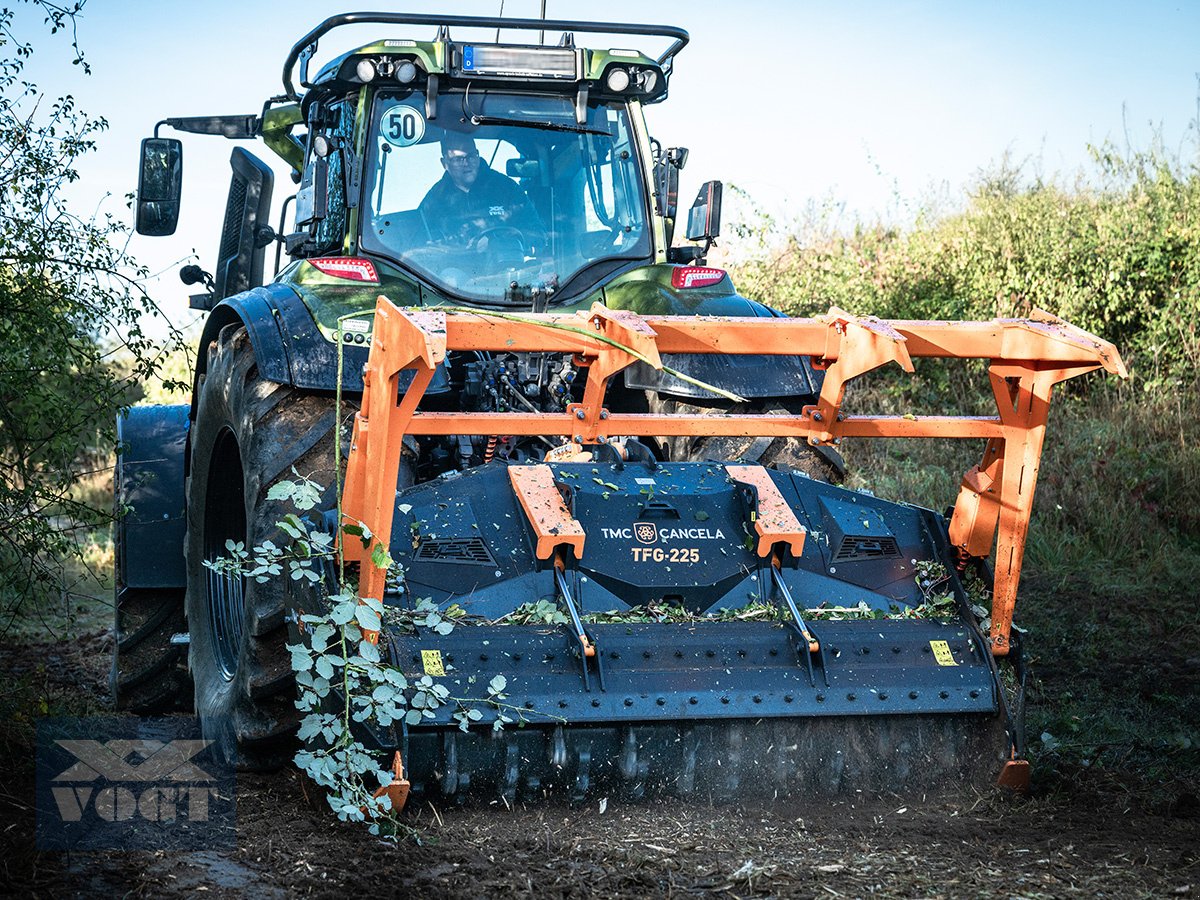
{"x": 1026, "y": 359}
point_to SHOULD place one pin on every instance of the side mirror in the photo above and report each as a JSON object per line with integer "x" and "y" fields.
{"x": 160, "y": 182}
{"x": 312, "y": 200}
{"x": 666, "y": 180}
{"x": 704, "y": 218}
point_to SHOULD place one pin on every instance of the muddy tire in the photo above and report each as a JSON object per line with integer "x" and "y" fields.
{"x": 248, "y": 434}
{"x": 149, "y": 674}
{"x": 788, "y": 454}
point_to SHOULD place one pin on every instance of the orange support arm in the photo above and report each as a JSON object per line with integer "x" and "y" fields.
{"x": 552, "y": 522}
{"x": 403, "y": 339}
{"x": 1027, "y": 357}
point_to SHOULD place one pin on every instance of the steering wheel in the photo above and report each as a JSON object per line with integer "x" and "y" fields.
{"x": 486, "y": 240}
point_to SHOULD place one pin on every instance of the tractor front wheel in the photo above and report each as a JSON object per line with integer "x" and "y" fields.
{"x": 248, "y": 434}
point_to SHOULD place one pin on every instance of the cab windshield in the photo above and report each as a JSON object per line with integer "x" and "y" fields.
{"x": 502, "y": 195}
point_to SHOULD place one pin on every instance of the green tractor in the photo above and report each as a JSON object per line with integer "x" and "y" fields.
{"x": 454, "y": 175}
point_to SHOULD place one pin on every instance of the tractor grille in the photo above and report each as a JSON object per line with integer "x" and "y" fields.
{"x": 470, "y": 551}
{"x": 855, "y": 547}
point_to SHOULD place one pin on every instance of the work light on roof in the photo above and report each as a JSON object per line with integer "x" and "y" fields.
{"x": 618, "y": 79}
{"x": 406, "y": 72}
{"x": 365, "y": 70}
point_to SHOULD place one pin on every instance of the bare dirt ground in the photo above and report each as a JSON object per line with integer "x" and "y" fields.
{"x": 1092, "y": 835}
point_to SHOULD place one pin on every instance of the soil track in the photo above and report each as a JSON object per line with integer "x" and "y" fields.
{"x": 1100, "y": 837}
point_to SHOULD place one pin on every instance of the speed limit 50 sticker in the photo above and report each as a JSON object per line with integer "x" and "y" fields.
{"x": 403, "y": 126}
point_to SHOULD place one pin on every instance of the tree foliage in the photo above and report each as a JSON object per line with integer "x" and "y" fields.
{"x": 71, "y": 304}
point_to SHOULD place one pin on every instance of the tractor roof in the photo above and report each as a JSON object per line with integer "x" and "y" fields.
{"x": 616, "y": 71}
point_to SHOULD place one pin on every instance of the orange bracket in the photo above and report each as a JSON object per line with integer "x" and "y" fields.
{"x": 774, "y": 520}
{"x": 854, "y": 345}
{"x": 402, "y": 339}
{"x": 996, "y": 498}
{"x": 1014, "y": 776}
{"x": 398, "y": 788}
{"x": 552, "y": 522}
{"x": 624, "y": 328}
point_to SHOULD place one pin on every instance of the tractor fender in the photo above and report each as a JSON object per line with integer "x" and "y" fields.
{"x": 150, "y": 525}
{"x": 289, "y": 348}
{"x": 259, "y": 311}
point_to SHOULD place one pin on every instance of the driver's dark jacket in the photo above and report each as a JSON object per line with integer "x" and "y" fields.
{"x": 493, "y": 201}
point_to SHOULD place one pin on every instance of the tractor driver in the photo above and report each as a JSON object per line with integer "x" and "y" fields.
{"x": 474, "y": 204}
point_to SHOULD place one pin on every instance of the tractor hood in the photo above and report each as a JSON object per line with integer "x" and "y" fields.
{"x": 334, "y": 293}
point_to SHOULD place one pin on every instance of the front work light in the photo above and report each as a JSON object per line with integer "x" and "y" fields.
{"x": 618, "y": 80}
{"x": 365, "y": 70}
{"x": 406, "y": 72}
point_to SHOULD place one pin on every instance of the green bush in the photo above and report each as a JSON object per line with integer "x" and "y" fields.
{"x": 1118, "y": 254}
{"x": 71, "y": 302}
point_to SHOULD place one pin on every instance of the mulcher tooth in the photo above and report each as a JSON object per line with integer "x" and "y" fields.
{"x": 512, "y": 772}
{"x": 449, "y": 774}
{"x": 729, "y": 784}
{"x": 583, "y": 765}
{"x": 558, "y": 748}
{"x": 685, "y": 778}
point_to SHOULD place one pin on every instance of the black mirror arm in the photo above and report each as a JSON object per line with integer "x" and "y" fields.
{"x": 235, "y": 128}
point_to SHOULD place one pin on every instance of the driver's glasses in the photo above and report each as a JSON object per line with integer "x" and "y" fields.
{"x": 460, "y": 159}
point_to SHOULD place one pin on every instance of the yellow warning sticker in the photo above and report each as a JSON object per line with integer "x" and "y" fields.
{"x": 432, "y": 661}
{"x": 941, "y": 652}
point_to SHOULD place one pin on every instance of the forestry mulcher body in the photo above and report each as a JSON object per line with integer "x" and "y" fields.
{"x": 540, "y": 400}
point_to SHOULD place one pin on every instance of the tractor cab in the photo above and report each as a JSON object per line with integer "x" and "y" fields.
{"x": 492, "y": 174}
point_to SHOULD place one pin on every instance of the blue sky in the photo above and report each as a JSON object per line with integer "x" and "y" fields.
{"x": 872, "y": 107}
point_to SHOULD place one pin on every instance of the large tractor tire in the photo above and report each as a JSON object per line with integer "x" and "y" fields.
{"x": 248, "y": 434}
{"x": 149, "y": 673}
{"x": 784, "y": 453}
